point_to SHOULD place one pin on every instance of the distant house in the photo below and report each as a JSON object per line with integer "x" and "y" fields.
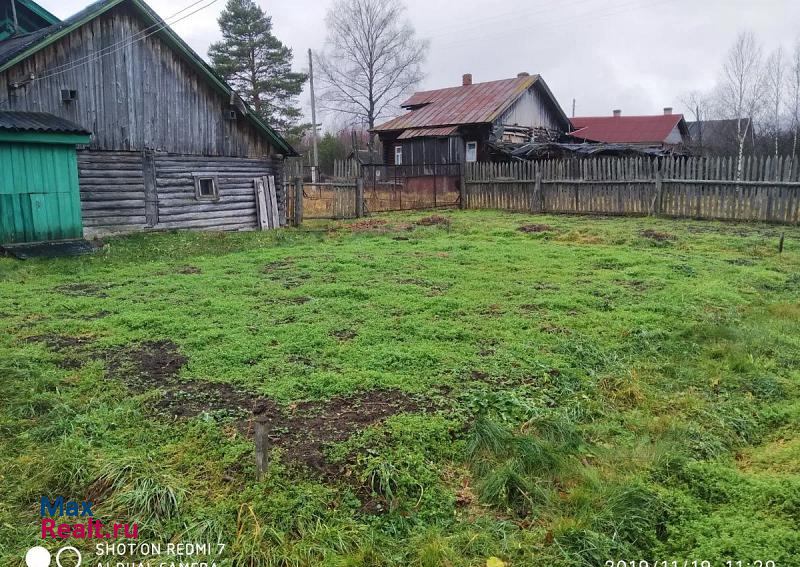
{"x": 666, "y": 131}
{"x": 172, "y": 145}
{"x": 456, "y": 124}
{"x": 366, "y": 157}
{"x": 719, "y": 137}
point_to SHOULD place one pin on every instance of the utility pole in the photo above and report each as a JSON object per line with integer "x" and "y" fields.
{"x": 573, "y": 108}
{"x": 313, "y": 117}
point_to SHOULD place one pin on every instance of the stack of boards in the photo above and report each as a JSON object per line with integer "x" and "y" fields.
{"x": 267, "y": 203}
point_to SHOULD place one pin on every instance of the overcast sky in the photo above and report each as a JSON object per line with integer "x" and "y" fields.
{"x": 637, "y": 55}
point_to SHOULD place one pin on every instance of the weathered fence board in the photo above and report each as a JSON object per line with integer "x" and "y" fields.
{"x": 758, "y": 189}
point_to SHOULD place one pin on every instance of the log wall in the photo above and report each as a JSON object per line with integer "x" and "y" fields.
{"x": 114, "y": 191}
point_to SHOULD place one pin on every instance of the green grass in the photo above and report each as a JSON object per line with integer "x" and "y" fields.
{"x": 571, "y": 396}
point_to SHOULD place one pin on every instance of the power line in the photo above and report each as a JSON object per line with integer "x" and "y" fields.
{"x": 127, "y": 39}
{"x": 120, "y": 45}
{"x": 125, "y": 46}
{"x": 546, "y": 27}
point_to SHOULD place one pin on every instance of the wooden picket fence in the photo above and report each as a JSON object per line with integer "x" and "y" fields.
{"x": 768, "y": 189}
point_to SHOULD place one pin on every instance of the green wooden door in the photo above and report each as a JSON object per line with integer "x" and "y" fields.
{"x": 39, "y": 193}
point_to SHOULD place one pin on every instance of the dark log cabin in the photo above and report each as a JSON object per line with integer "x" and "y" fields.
{"x": 172, "y": 144}
{"x": 456, "y": 124}
{"x": 445, "y": 128}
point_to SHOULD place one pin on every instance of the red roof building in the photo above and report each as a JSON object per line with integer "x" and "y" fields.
{"x": 661, "y": 130}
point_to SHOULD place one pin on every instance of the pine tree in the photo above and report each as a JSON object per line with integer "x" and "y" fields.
{"x": 257, "y": 64}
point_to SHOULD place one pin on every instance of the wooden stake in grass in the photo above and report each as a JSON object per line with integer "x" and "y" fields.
{"x": 780, "y": 244}
{"x": 262, "y": 446}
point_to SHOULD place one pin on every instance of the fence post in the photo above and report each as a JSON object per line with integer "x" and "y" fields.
{"x": 462, "y": 189}
{"x": 298, "y": 201}
{"x": 538, "y": 196}
{"x": 359, "y": 197}
{"x": 655, "y": 209}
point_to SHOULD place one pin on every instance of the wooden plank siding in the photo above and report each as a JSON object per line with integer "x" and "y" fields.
{"x": 702, "y": 188}
{"x": 156, "y": 120}
{"x": 139, "y": 95}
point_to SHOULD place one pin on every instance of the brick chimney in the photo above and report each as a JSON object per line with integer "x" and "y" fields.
{"x": 667, "y": 110}
{"x": 617, "y": 113}
{"x": 466, "y": 80}
{"x": 523, "y": 74}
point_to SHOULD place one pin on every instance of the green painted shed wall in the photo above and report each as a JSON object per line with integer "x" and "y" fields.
{"x": 39, "y": 192}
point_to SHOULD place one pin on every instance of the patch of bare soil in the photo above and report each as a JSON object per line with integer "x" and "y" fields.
{"x": 344, "y": 335}
{"x": 741, "y": 262}
{"x": 434, "y": 220}
{"x": 189, "y": 270}
{"x": 95, "y": 316}
{"x": 71, "y": 348}
{"x": 305, "y": 429}
{"x": 302, "y": 430}
{"x": 285, "y": 272}
{"x": 656, "y": 235}
{"x": 528, "y": 228}
{"x": 83, "y": 290}
{"x": 279, "y": 265}
{"x": 366, "y": 225}
{"x": 145, "y": 366}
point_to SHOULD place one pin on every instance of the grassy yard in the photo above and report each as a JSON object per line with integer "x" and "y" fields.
{"x": 438, "y": 391}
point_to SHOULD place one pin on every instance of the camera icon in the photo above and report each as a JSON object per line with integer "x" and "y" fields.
{"x": 39, "y": 557}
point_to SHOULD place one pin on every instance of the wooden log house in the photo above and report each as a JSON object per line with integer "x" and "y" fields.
{"x": 172, "y": 145}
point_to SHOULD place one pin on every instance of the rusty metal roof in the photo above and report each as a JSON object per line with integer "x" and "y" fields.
{"x": 625, "y": 129}
{"x": 471, "y": 104}
{"x": 11, "y": 121}
{"x": 428, "y": 132}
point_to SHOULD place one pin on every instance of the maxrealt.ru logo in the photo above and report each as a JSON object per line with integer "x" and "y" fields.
{"x": 87, "y": 527}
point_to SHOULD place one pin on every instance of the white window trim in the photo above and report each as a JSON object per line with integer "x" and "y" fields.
{"x": 466, "y": 152}
{"x": 214, "y": 182}
{"x": 398, "y": 152}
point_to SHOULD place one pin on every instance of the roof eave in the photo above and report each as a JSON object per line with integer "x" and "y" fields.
{"x": 278, "y": 141}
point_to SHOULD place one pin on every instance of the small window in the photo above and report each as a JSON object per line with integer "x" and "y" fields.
{"x": 398, "y": 155}
{"x": 472, "y": 151}
{"x": 206, "y": 188}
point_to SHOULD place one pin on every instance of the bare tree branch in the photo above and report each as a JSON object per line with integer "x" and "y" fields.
{"x": 372, "y": 59}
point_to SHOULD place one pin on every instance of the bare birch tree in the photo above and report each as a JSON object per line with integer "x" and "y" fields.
{"x": 371, "y": 61}
{"x": 741, "y": 90}
{"x": 794, "y": 94}
{"x": 697, "y": 103}
{"x": 775, "y": 78}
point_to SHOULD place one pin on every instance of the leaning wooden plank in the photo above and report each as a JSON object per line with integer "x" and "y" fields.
{"x": 261, "y": 204}
{"x": 272, "y": 195}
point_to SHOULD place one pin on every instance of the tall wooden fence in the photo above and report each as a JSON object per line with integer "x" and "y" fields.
{"x": 767, "y": 189}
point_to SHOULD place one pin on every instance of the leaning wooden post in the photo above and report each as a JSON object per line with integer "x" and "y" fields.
{"x": 298, "y": 201}
{"x": 462, "y": 189}
{"x": 656, "y": 208}
{"x": 262, "y": 446}
{"x": 780, "y": 244}
{"x": 359, "y": 197}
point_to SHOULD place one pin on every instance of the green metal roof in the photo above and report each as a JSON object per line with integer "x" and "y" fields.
{"x": 30, "y": 18}
{"x": 18, "y": 49}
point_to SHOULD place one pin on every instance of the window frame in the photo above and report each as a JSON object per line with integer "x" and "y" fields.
{"x": 198, "y": 179}
{"x": 467, "y": 150}
{"x": 398, "y": 151}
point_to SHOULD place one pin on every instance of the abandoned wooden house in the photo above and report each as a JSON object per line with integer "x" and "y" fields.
{"x": 426, "y": 148}
{"x": 172, "y": 145}
{"x": 454, "y": 125}
{"x": 665, "y": 131}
